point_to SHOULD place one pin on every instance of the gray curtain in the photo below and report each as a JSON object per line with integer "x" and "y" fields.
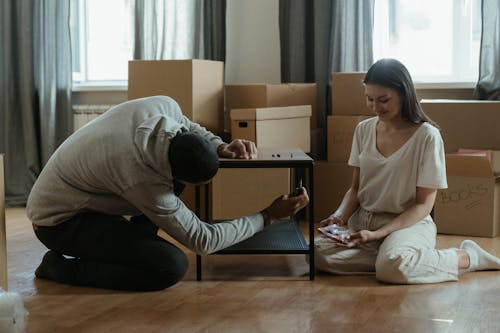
{"x": 214, "y": 29}
{"x": 180, "y": 29}
{"x": 35, "y": 78}
{"x": 324, "y": 36}
{"x": 488, "y": 85}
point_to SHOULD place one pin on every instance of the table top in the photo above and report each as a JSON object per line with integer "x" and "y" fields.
{"x": 271, "y": 157}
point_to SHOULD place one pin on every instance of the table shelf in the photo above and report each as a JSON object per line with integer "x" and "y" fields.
{"x": 283, "y": 237}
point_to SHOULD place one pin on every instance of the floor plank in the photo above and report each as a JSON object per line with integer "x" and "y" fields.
{"x": 254, "y": 293}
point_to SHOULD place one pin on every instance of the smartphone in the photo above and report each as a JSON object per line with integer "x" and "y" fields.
{"x": 296, "y": 192}
{"x": 336, "y": 232}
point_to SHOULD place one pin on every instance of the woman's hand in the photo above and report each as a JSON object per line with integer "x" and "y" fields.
{"x": 332, "y": 219}
{"x": 238, "y": 148}
{"x": 360, "y": 237}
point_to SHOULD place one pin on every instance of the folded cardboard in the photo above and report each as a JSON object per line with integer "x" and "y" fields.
{"x": 263, "y": 95}
{"x": 277, "y": 127}
{"x": 241, "y": 192}
{"x": 466, "y": 123}
{"x": 331, "y": 182}
{"x": 196, "y": 85}
{"x": 348, "y": 94}
{"x": 340, "y": 132}
{"x": 470, "y": 205}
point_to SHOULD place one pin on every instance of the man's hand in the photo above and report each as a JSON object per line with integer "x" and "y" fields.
{"x": 286, "y": 206}
{"x": 238, "y": 148}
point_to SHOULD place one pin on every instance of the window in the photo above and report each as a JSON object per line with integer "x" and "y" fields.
{"x": 438, "y": 41}
{"x": 102, "y": 35}
{"x": 101, "y": 39}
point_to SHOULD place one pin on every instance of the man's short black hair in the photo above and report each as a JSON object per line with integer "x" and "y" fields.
{"x": 193, "y": 158}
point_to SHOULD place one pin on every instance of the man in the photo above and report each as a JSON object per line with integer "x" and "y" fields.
{"x": 133, "y": 161}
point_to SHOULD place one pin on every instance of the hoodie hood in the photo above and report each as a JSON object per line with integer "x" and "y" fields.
{"x": 152, "y": 139}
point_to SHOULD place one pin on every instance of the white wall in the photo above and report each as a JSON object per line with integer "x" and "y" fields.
{"x": 252, "y": 41}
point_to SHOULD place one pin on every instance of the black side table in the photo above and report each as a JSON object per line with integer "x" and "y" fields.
{"x": 283, "y": 237}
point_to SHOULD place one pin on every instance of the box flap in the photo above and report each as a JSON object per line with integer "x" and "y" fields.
{"x": 284, "y": 112}
{"x": 468, "y": 166}
{"x": 492, "y": 155}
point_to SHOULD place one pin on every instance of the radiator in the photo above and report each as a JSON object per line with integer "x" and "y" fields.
{"x": 84, "y": 113}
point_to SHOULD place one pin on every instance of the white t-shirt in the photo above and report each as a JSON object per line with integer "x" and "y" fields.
{"x": 389, "y": 184}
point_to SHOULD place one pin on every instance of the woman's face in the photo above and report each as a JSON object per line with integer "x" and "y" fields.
{"x": 383, "y": 102}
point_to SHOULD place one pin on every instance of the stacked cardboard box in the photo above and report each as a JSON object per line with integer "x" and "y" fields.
{"x": 340, "y": 134}
{"x": 348, "y": 94}
{"x": 252, "y": 96}
{"x": 470, "y": 205}
{"x": 465, "y": 123}
{"x": 273, "y": 116}
{"x": 197, "y": 85}
{"x": 269, "y": 127}
{"x": 273, "y": 127}
{"x": 333, "y": 177}
{"x": 263, "y": 95}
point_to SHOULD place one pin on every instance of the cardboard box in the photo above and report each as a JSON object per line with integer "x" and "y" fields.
{"x": 197, "y": 85}
{"x": 262, "y": 95}
{"x": 278, "y": 127}
{"x": 348, "y": 94}
{"x": 470, "y": 205}
{"x": 340, "y": 132}
{"x": 241, "y": 192}
{"x": 331, "y": 182}
{"x": 466, "y": 123}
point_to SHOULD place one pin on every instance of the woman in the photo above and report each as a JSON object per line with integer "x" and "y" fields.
{"x": 399, "y": 164}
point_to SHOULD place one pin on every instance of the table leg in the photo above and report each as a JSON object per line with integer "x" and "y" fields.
{"x": 312, "y": 268}
{"x": 198, "y": 267}
{"x": 198, "y": 213}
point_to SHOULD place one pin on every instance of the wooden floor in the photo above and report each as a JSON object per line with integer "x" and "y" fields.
{"x": 254, "y": 294}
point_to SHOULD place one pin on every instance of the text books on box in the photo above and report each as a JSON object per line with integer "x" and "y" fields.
{"x": 471, "y": 204}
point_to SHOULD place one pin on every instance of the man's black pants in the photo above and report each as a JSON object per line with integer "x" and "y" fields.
{"x": 110, "y": 252}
